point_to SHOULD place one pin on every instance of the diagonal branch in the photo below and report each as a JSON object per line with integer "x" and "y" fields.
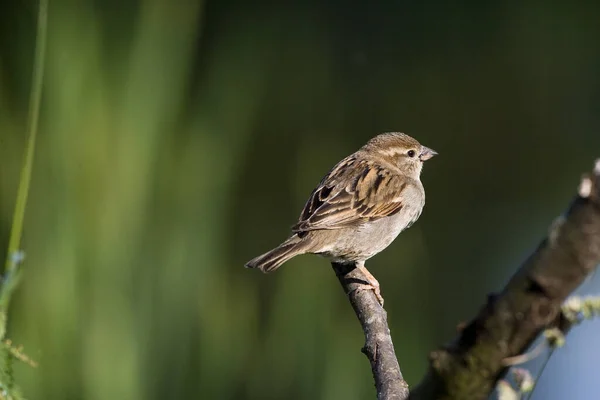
{"x": 470, "y": 366}
{"x": 378, "y": 342}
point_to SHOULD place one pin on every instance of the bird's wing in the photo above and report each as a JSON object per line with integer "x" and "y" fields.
{"x": 354, "y": 191}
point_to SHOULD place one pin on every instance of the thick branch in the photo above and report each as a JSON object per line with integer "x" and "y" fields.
{"x": 378, "y": 343}
{"x": 469, "y": 367}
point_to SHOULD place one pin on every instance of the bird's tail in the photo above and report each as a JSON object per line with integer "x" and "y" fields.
{"x": 273, "y": 259}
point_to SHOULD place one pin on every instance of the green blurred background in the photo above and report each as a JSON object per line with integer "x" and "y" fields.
{"x": 178, "y": 139}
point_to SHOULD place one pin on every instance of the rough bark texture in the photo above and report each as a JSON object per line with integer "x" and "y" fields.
{"x": 470, "y": 366}
{"x": 378, "y": 342}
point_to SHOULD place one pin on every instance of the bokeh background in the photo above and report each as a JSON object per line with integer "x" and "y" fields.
{"x": 179, "y": 139}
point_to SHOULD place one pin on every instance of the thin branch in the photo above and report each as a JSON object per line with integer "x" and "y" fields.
{"x": 539, "y": 374}
{"x": 470, "y": 366}
{"x": 378, "y": 342}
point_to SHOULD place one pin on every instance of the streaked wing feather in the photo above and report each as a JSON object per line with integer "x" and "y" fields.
{"x": 354, "y": 191}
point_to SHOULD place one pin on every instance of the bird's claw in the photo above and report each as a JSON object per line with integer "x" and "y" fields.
{"x": 368, "y": 286}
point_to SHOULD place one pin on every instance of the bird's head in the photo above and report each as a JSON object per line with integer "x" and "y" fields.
{"x": 400, "y": 150}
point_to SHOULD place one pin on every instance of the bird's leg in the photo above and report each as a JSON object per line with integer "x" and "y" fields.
{"x": 372, "y": 284}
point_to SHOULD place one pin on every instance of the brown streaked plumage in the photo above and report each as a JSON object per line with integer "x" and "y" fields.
{"x": 359, "y": 207}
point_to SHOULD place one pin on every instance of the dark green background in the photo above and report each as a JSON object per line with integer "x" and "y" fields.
{"x": 179, "y": 139}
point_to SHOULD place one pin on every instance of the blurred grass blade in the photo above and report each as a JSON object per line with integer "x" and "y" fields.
{"x": 14, "y": 254}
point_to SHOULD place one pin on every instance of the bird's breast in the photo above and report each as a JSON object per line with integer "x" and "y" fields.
{"x": 366, "y": 240}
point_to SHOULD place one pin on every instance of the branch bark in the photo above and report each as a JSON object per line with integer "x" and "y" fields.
{"x": 378, "y": 348}
{"x": 470, "y": 366}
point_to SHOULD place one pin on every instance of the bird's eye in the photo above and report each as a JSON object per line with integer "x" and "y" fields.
{"x": 411, "y": 153}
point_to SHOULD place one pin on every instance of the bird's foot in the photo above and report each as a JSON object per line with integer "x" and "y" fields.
{"x": 368, "y": 286}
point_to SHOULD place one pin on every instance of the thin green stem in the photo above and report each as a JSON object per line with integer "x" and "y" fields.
{"x": 34, "y": 113}
{"x": 14, "y": 255}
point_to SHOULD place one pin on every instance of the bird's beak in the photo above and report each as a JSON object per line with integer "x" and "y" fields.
{"x": 427, "y": 153}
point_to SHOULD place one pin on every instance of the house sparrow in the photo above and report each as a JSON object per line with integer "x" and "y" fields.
{"x": 359, "y": 207}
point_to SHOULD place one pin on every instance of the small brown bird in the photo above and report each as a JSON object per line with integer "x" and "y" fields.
{"x": 359, "y": 207}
